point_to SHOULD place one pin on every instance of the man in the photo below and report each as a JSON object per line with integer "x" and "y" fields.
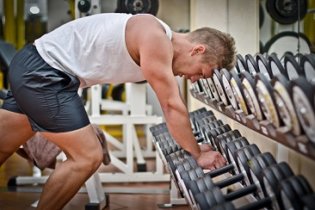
{"x": 103, "y": 48}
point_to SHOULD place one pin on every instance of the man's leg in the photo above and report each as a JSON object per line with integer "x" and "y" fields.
{"x": 15, "y": 130}
{"x": 84, "y": 156}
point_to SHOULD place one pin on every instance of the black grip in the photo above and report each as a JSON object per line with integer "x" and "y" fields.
{"x": 241, "y": 192}
{"x": 229, "y": 181}
{"x": 219, "y": 171}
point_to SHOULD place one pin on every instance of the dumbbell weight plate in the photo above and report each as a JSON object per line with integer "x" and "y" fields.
{"x": 248, "y": 83}
{"x": 284, "y": 103}
{"x": 213, "y": 133}
{"x": 292, "y": 190}
{"x": 263, "y": 66}
{"x": 308, "y": 64}
{"x": 292, "y": 67}
{"x": 240, "y": 64}
{"x": 272, "y": 176}
{"x": 257, "y": 164}
{"x": 243, "y": 155}
{"x": 213, "y": 89}
{"x": 236, "y": 85}
{"x": 222, "y": 139}
{"x": 276, "y": 66}
{"x": 206, "y": 128}
{"x": 206, "y": 88}
{"x": 302, "y": 94}
{"x": 286, "y": 11}
{"x": 231, "y": 148}
{"x": 251, "y": 64}
{"x": 218, "y": 84}
{"x": 226, "y": 76}
{"x": 265, "y": 95}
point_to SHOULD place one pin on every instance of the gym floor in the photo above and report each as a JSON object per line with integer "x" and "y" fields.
{"x": 23, "y": 197}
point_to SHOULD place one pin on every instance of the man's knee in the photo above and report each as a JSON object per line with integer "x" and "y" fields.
{"x": 90, "y": 161}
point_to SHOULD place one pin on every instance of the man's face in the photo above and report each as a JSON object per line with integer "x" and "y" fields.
{"x": 198, "y": 69}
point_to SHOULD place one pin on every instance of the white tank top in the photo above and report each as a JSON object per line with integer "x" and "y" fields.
{"x": 93, "y": 48}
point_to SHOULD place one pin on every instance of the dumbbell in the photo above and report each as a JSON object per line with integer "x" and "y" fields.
{"x": 243, "y": 155}
{"x": 222, "y": 139}
{"x": 309, "y": 201}
{"x": 231, "y": 148}
{"x": 214, "y": 197}
{"x": 204, "y": 129}
{"x": 259, "y": 204}
{"x": 293, "y": 190}
{"x": 257, "y": 164}
{"x": 211, "y": 134}
{"x": 272, "y": 176}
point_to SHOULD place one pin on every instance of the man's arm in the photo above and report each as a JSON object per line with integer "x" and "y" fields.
{"x": 156, "y": 54}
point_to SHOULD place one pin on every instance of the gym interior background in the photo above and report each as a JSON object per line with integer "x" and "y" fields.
{"x": 258, "y": 26}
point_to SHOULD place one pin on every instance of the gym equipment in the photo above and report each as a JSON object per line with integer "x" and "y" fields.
{"x": 292, "y": 191}
{"x": 214, "y": 197}
{"x": 291, "y": 65}
{"x": 84, "y": 6}
{"x": 286, "y": 11}
{"x": 266, "y": 99}
{"x": 272, "y": 176}
{"x": 308, "y": 65}
{"x": 281, "y": 87}
{"x": 257, "y": 164}
{"x": 243, "y": 155}
{"x": 276, "y": 65}
{"x": 238, "y": 92}
{"x": 137, "y": 6}
{"x": 226, "y": 77}
{"x": 213, "y": 89}
{"x": 248, "y": 83}
{"x": 231, "y": 148}
{"x": 287, "y": 41}
{"x": 241, "y": 65}
{"x": 252, "y": 66}
{"x": 303, "y": 94}
{"x": 264, "y": 66}
{"x": 221, "y": 140}
{"x": 218, "y": 84}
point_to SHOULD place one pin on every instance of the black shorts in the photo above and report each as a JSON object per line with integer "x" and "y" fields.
{"x": 46, "y": 95}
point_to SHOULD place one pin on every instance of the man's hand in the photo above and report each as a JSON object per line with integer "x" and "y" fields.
{"x": 211, "y": 160}
{"x": 205, "y": 147}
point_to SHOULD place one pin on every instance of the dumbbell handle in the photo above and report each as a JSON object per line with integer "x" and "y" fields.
{"x": 241, "y": 192}
{"x": 259, "y": 204}
{"x": 229, "y": 181}
{"x": 222, "y": 170}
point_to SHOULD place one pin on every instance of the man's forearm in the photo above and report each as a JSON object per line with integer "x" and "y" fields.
{"x": 180, "y": 128}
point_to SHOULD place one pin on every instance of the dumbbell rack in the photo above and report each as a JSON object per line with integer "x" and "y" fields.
{"x": 299, "y": 144}
{"x": 257, "y": 178}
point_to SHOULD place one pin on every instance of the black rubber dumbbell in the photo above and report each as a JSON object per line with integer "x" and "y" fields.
{"x": 231, "y": 148}
{"x": 243, "y": 155}
{"x": 258, "y": 204}
{"x": 293, "y": 190}
{"x": 272, "y": 176}
{"x": 257, "y": 164}
{"x": 222, "y": 139}
{"x": 214, "y": 197}
{"x": 210, "y": 135}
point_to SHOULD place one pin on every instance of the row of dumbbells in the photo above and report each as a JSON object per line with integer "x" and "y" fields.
{"x": 272, "y": 185}
{"x": 281, "y": 93}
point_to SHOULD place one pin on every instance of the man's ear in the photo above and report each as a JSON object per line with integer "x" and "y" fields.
{"x": 198, "y": 49}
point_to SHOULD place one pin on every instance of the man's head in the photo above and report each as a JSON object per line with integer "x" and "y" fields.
{"x": 220, "y": 47}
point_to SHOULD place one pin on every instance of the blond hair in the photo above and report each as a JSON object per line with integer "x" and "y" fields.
{"x": 219, "y": 46}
